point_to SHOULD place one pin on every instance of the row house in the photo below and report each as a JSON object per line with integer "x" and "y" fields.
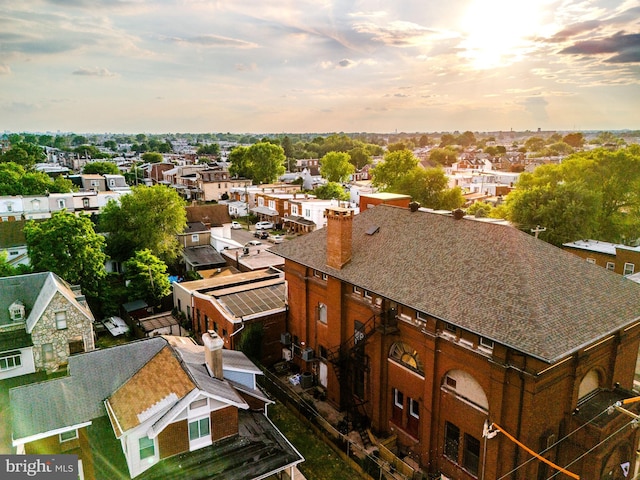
{"x": 621, "y": 259}
{"x": 236, "y": 305}
{"x": 216, "y": 184}
{"x": 445, "y": 331}
{"x": 307, "y": 214}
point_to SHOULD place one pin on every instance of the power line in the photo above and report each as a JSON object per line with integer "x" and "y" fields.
{"x": 555, "y": 444}
{"x": 595, "y": 446}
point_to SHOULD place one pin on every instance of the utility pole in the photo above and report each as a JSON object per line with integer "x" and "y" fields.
{"x": 537, "y": 230}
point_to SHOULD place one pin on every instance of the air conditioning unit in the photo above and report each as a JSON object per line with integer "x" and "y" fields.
{"x": 286, "y": 355}
{"x": 285, "y": 338}
{"x": 307, "y": 354}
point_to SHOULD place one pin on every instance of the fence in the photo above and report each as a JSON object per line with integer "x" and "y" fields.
{"x": 377, "y": 465}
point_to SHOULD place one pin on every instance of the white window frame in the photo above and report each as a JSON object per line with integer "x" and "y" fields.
{"x": 61, "y": 320}
{"x": 611, "y": 266}
{"x": 629, "y": 268}
{"x": 61, "y": 203}
{"x": 322, "y": 313}
{"x": 195, "y": 237}
{"x": 10, "y": 360}
{"x": 203, "y": 437}
{"x": 357, "y": 290}
{"x": 414, "y": 408}
{"x": 486, "y": 343}
{"x": 73, "y": 435}
{"x": 152, "y": 446}
{"x": 398, "y": 402}
{"x": 367, "y": 294}
{"x": 591, "y": 260}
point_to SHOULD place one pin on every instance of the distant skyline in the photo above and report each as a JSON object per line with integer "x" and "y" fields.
{"x": 169, "y": 66}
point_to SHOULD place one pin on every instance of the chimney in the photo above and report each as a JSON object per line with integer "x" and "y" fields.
{"x": 213, "y": 353}
{"x": 339, "y": 224}
{"x": 458, "y": 214}
{"x": 414, "y": 206}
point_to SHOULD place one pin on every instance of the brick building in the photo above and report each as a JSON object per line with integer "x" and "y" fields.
{"x": 621, "y": 259}
{"x": 432, "y": 327}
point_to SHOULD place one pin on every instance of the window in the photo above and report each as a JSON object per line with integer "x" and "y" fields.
{"x": 85, "y": 203}
{"x": 112, "y": 182}
{"x": 407, "y": 356}
{"x": 398, "y": 398}
{"x": 61, "y": 320}
{"x": 66, "y": 436}
{"x": 76, "y": 345}
{"x": 9, "y": 207}
{"x": 195, "y": 238}
{"x": 451, "y": 441}
{"x": 471, "y": 454}
{"x": 10, "y": 360}
{"x": 591, "y": 260}
{"x": 628, "y": 268}
{"x": 367, "y": 294}
{"x": 61, "y": 203}
{"x": 414, "y": 408}
{"x": 413, "y": 418}
{"x": 199, "y": 428}
{"x": 322, "y": 313}
{"x": 397, "y": 407}
{"x": 198, "y": 404}
{"x": 421, "y": 316}
{"x": 486, "y": 343}
{"x": 215, "y": 327}
{"x": 451, "y": 382}
{"x": 357, "y": 290}
{"x": 451, "y": 328}
{"x": 146, "y": 447}
{"x": 47, "y": 352}
{"x": 611, "y": 266}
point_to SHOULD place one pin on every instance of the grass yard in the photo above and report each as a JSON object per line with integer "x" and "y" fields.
{"x": 321, "y": 462}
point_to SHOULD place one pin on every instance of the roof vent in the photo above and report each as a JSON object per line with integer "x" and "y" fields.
{"x": 458, "y": 214}
{"x": 373, "y": 229}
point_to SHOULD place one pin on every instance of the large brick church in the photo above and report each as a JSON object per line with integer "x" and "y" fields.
{"x": 432, "y": 326}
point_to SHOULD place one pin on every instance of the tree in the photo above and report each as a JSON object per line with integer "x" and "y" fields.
{"x": 152, "y": 157}
{"x": 359, "y": 157}
{"x": 592, "y": 194}
{"x": 576, "y": 140}
{"x": 90, "y": 151}
{"x": 331, "y": 191}
{"x": 78, "y": 140}
{"x": 146, "y": 277}
{"x": 101, "y": 168}
{"x": 429, "y": 188}
{"x": 336, "y": 167}
{"x": 443, "y": 156}
{"x": 148, "y": 217}
{"x": 239, "y": 162}
{"x": 480, "y": 209}
{"x": 395, "y": 165}
{"x": 266, "y": 161}
{"x": 533, "y": 144}
{"x": 15, "y": 180}
{"x": 68, "y": 245}
{"x": 110, "y": 144}
{"x": 211, "y": 149}
{"x": 25, "y": 154}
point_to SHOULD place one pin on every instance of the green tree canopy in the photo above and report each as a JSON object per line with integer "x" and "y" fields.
{"x": 68, "y": 245}
{"x": 148, "y": 217}
{"x": 24, "y": 154}
{"x": 331, "y": 191}
{"x": 592, "y": 194}
{"x": 101, "y": 168}
{"x": 266, "y": 162}
{"x": 210, "y": 149}
{"x": 90, "y": 151}
{"x": 575, "y": 140}
{"x": 15, "y": 180}
{"x": 336, "y": 166}
{"x": 443, "y": 156}
{"x": 146, "y": 277}
{"x": 429, "y": 187}
{"x": 152, "y": 157}
{"x": 395, "y": 165}
{"x": 239, "y": 162}
{"x": 359, "y": 157}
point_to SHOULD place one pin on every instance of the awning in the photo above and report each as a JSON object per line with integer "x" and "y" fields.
{"x": 265, "y": 211}
{"x": 299, "y": 221}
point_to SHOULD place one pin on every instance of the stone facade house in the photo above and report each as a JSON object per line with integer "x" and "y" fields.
{"x": 43, "y": 320}
{"x": 432, "y": 327}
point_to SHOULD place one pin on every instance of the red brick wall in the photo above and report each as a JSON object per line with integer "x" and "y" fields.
{"x": 224, "y": 423}
{"x": 174, "y": 439}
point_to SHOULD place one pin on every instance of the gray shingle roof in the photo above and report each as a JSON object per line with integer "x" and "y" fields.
{"x": 490, "y": 279}
{"x": 78, "y": 398}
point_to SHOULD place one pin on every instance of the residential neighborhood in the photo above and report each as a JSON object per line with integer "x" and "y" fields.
{"x": 415, "y": 313}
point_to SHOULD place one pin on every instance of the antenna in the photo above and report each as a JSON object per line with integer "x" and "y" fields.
{"x": 537, "y": 230}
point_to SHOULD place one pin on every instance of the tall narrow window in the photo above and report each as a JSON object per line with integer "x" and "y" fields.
{"x": 413, "y": 418}
{"x": 451, "y": 441}
{"x": 47, "y": 352}
{"x": 398, "y": 407}
{"x": 322, "y": 313}
{"x": 146, "y": 447}
{"x": 61, "y": 320}
{"x": 471, "y": 454}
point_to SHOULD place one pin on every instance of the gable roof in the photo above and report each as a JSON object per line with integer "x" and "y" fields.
{"x": 490, "y": 279}
{"x": 78, "y": 397}
{"x": 158, "y": 384}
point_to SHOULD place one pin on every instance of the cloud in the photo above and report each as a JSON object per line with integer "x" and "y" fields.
{"x": 4, "y": 69}
{"x": 210, "y": 40}
{"x": 346, "y": 63}
{"x": 94, "y": 72}
{"x": 626, "y": 46}
{"x": 575, "y": 30}
{"x": 397, "y": 33}
{"x": 243, "y": 67}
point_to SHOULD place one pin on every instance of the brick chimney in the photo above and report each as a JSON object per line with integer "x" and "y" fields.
{"x": 339, "y": 224}
{"x": 213, "y": 353}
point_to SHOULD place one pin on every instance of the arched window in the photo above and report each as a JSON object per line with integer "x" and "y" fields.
{"x": 467, "y": 387}
{"x": 407, "y": 356}
{"x": 589, "y": 383}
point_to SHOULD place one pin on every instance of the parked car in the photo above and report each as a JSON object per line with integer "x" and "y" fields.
{"x": 277, "y": 238}
{"x": 252, "y": 243}
{"x": 264, "y": 225}
{"x": 235, "y": 225}
{"x": 262, "y": 234}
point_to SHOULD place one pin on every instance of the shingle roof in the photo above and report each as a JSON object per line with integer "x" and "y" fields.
{"x": 77, "y": 398}
{"x": 212, "y": 214}
{"x": 490, "y": 279}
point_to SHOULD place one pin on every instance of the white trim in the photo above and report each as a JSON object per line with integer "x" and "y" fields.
{"x": 50, "y": 433}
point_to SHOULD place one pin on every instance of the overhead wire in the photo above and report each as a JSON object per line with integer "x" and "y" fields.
{"x": 555, "y": 444}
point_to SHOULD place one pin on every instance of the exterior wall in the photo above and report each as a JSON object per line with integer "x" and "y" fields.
{"x": 174, "y": 439}
{"x": 621, "y": 257}
{"x": 46, "y": 332}
{"x": 367, "y": 201}
{"x": 224, "y": 423}
{"x": 79, "y": 446}
{"x": 27, "y": 364}
{"x": 530, "y": 399}
{"x": 186, "y": 240}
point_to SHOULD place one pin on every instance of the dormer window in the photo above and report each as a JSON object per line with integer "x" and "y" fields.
{"x": 16, "y": 311}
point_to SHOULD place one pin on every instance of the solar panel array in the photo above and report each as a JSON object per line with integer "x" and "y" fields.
{"x": 254, "y": 301}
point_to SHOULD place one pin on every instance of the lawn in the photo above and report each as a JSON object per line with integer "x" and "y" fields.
{"x": 321, "y": 462}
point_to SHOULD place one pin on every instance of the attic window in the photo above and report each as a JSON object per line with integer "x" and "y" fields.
{"x": 16, "y": 311}
{"x": 373, "y": 229}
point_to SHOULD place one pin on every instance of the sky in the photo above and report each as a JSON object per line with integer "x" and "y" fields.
{"x": 295, "y": 66}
